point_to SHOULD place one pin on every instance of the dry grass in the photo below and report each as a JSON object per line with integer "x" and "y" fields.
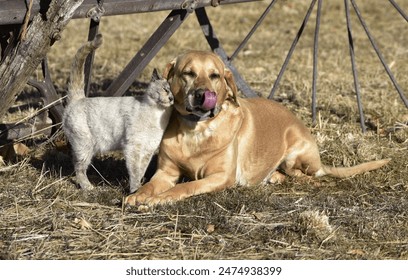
{"x": 44, "y": 216}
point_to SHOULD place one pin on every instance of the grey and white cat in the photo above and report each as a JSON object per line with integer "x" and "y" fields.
{"x": 134, "y": 125}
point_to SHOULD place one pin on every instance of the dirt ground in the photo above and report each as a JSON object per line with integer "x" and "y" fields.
{"x": 43, "y": 215}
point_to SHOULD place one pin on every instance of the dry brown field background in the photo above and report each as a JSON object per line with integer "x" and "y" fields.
{"x": 43, "y": 215}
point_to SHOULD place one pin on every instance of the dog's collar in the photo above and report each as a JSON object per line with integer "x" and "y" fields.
{"x": 193, "y": 118}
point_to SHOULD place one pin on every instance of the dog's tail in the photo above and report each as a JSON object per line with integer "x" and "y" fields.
{"x": 343, "y": 172}
{"x": 76, "y": 79}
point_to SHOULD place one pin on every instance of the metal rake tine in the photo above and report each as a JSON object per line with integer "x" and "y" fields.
{"x": 353, "y": 67}
{"x": 292, "y": 48}
{"x": 379, "y": 54}
{"x": 315, "y": 57}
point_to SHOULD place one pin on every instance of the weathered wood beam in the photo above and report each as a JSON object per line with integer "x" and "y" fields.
{"x": 13, "y": 11}
{"x": 19, "y": 64}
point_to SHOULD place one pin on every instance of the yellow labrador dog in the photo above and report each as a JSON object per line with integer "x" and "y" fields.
{"x": 219, "y": 140}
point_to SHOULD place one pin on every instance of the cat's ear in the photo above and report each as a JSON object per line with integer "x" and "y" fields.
{"x": 156, "y": 75}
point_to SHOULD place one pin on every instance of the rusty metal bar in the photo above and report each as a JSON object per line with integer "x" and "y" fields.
{"x": 379, "y": 54}
{"x": 254, "y": 28}
{"x": 353, "y": 66}
{"x": 146, "y": 53}
{"x": 404, "y": 15}
{"x": 292, "y": 48}
{"x": 93, "y": 31}
{"x": 215, "y": 45}
{"x": 315, "y": 56}
{"x": 48, "y": 92}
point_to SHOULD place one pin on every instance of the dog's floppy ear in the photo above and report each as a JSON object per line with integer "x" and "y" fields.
{"x": 231, "y": 86}
{"x": 169, "y": 70}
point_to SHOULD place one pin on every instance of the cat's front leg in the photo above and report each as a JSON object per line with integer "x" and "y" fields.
{"x": 136, "y": 166}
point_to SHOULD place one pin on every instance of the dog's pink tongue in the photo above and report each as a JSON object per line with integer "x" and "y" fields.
{"x": 210, "y": 99}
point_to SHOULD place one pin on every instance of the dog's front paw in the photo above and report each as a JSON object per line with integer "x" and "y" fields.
{"x": 277, "y": 178}
{"x": 135, "y": 199}
{"x": 131, "y": 200}
{"x": 168, "y": 197}
{"x": 140, "y": 196}
{"x": 150, "y": 201}
{"x": 159, "y": 200}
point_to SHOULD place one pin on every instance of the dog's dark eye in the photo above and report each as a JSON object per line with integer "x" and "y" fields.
{"x": 190, "y": 74}
{"x": 214, "y": 76}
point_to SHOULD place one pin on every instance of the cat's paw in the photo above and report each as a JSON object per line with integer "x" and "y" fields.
{"x": 86, "y": 186}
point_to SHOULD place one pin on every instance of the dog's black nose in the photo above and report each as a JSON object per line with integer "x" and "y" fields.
{"x": 198, "y": 95}
{"x": 197, "y": 99}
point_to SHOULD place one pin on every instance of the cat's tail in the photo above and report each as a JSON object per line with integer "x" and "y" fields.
{"x": 76, "y": 79}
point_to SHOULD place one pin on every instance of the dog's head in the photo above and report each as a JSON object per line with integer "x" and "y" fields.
{"x": 200, "y": 84}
